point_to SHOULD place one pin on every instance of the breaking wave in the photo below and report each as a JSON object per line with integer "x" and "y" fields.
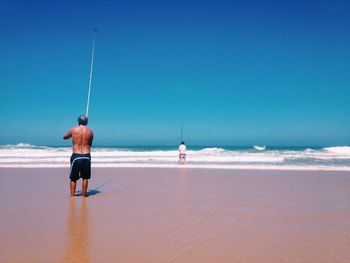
{"x": 213, "y": 150}
{"x": 259, "y": 148}
{"x": 339, "y": 149}
{"x": 329, "y": 158}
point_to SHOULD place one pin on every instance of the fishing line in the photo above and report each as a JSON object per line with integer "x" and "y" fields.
{"x": 182, "y": 130}
{"x": 91, "y": 69}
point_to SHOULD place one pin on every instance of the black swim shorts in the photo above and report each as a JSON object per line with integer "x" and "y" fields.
{"x": 80, "y": 166}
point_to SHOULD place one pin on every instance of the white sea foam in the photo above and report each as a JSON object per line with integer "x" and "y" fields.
{"x": 259, "y": 148}
{"x": 331, "y": 158}
{"x": 339, "y": 149}
{"x": 213, "y": 150}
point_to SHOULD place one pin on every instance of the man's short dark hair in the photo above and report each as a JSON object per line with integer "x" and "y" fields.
{"x": 83, "y": 120}
{"x": 182, "y": 142}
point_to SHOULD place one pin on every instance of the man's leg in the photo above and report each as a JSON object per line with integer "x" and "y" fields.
{"x": 73, "y": 185}
{"x": 85, "y": 186}
{"x": 183, "y": 158}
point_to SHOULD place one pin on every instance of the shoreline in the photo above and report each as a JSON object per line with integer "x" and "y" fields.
{"x": 194, "y": 167}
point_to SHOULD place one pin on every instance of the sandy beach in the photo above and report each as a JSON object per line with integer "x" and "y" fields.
{"x": 175, "y": 215}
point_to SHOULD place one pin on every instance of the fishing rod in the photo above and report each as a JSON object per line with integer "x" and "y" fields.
{"x": 91, "y": 68}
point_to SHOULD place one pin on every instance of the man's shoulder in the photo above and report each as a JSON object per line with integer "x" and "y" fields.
{"x": 74, "y": 128}
{"x": 89, "y": 131}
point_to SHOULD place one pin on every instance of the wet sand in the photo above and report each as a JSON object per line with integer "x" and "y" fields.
{"x": 175, "y": 215}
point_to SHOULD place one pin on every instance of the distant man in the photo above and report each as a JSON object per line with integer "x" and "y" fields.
{"x": 80, "y": 160}
{"x": 182, "y": 153}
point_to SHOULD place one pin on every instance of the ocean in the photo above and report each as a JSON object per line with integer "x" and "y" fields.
{"x": 252, "y": 157}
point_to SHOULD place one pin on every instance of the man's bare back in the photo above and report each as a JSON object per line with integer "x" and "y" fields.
{"x": 82, "y": 138}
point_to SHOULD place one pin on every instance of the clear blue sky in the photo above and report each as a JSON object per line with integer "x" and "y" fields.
{"x": 237, "y": 72}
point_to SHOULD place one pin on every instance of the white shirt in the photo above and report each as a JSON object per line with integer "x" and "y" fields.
{"x": 182, "y": 149}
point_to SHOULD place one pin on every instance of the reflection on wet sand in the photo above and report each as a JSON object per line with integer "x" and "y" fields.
{"x": 182, "y": 181}
{"x": 77, "y": 232}
{"x": 182, "y": 175}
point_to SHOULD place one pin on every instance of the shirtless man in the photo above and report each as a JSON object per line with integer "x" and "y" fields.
{"x": 80, "y": 160}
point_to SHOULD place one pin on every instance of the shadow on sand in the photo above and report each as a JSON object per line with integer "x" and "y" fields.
{"x": 90, "y": 192}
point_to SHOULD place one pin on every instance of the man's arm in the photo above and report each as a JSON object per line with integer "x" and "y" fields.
{"x": 68, "y": 135}
{"x": 91, "y": 139}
